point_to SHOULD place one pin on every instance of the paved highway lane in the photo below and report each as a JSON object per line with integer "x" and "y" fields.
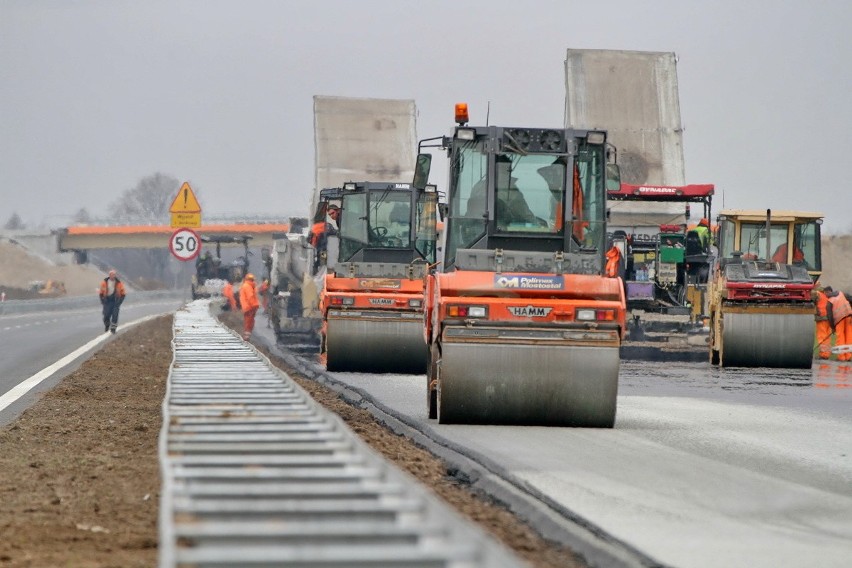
{"x": 30, "y": 342}
{"x": 706, "y": 467}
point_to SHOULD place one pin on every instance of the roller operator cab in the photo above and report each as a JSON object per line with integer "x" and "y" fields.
{"x": 373, "y": 296}
{"x": 523, "y": 326}
{"x": 761, "y": 309}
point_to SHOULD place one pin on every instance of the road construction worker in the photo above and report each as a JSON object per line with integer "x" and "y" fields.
{"x": 823, "y": 326}
{"x": 840, "y": 315}
{"x": 781, "y": 254}
{"x": 703, "y": 231}
{"x": 249, "y": 304}
{"x": 228, "y": 292}
{"x": 613, "y": 262}
{"x": 322, "y": 228}
{"x": 112, "y": 295}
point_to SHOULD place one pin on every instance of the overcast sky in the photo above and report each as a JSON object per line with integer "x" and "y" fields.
{"x": 95, "y": 95}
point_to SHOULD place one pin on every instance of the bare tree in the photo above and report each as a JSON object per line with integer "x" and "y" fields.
{"x": 82, "y": 216}
{"x": 14, "y": 223}
{"x": 147, "y": 202}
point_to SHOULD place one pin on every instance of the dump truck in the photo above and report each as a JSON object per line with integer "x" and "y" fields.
{"x": 373, "y": 296}
{"x": 211, "y": 273}
{"x": 523, "y": 326}
{"x": 761, "y": 309}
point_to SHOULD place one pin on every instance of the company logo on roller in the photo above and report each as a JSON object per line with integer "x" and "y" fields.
{"x": 378, "y": 283}
{"x": 381, "y": 301}
{"x": 529, "y": 282}
{"x": 778, "y": 286}
{"x": 529, "y": 311}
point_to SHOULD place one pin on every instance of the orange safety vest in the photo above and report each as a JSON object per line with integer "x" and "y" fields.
{"x": 821, "y": 306}
{"x": 117, "y": 293}
{"x": 577, "y": 207}
{"x": 613, "y": 259}
{"x": 840, "y": 307}
{"x": 248, "y": 297}
{"x": 781, "y": 254}
{"x": 317, "y": 230}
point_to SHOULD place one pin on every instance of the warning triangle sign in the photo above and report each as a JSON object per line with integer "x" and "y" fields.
{"x": 185, "y": 201}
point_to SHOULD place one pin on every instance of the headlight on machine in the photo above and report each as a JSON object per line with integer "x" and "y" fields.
{"x": 342, "y": 301}
{"x": 415, "y": 303}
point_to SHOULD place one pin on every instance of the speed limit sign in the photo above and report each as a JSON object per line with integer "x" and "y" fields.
{"x": 185, "y": 244}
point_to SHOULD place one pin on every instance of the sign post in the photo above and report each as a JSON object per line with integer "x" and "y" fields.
{"x": 185, "y": 209}
{"x": 185, "y": 244}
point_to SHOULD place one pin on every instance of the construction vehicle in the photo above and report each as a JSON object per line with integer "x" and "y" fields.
{"x": 296, "y": 270}
{"x": 635, "y": 94}
{"x": 211, "y": 273}
{"x": 761, "y": 310}
{"x": 354, "y": 138}
{"x": 373, "y": 297}
{"x": 48, "y": 287}
{"x": 666, "y": 266}
{"x": 523, "y": 327}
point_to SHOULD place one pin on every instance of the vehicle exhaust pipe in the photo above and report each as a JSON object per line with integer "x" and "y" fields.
{"x": 768, "y": 237}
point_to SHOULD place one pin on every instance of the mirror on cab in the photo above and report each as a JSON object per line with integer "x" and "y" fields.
{"x": 613, "y": 177}
{"x": 421, "y": 170}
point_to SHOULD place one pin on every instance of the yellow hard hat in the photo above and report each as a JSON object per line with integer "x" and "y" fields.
{"x": 249, "y": 276}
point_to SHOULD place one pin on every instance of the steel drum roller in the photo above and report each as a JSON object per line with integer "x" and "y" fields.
{"x": 369, "y": 346}
{"x": 528, "y": 384}
{"x": 767, "y": 340}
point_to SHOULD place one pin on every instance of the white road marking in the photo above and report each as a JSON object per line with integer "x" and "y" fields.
{"x": 26, "y": 385}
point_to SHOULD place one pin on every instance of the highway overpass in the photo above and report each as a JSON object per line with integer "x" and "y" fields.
{"x": 88, "y": 237}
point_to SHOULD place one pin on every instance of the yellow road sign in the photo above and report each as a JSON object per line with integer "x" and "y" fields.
{"x": 185, "y": 201}
{"x": 180, "y": 220}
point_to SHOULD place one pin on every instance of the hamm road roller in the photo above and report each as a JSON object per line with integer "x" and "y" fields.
{"x": 761, "y": 310}
{"x": 373, "y": 296}
{"x": 523, "y": 325}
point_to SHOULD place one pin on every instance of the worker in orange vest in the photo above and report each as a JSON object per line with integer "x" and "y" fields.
{"x": 228, "y": 292}
{"x": 321, "y": 229}
{"x": 249, "y": 304}
{"x": 823, "y": 326}
{"x": 840, "y": 316}
{"x": 112, "y": 295}
{"x": 613, "y": 262}
{"x": 781, "y": 254}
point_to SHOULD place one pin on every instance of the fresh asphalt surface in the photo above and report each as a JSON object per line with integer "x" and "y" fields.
{"x": 705, "y": 467}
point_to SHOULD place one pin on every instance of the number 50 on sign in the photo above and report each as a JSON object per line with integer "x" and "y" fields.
{"x": 185, "y": 244}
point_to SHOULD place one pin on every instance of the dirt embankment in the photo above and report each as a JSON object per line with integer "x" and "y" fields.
{"x": 19, "y": 268}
